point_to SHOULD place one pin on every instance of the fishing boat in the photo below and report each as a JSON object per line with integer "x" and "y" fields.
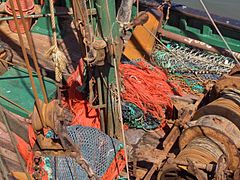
{"x": 118, "y": 90}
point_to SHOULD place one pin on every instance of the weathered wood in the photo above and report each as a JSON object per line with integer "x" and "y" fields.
{"x": 7, "y": 154}
{"x": 17, "y": 126}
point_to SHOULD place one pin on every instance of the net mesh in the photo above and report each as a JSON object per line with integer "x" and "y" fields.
{"x": 185, "y": 59}
{"x": 193, "y": 65}
{"x": 134, "y": 117}
{"x": 96, "y": 147}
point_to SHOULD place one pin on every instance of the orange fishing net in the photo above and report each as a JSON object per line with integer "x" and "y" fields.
{"x": 84, "y": 114}
{"x": 148, "y": 87}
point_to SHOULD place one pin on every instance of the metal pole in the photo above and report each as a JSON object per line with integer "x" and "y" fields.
{"x": 100, "y": 97}
{"x": 27, "y": 62}
{"x": 30, "y": 43}
{"x": 198, "y": 44}
{"x": 35, "y": 16}
{"x": 15, "y": 104}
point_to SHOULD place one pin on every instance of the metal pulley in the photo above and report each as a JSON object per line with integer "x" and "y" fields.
{"x": 52, "y": 114}
{"x": 210, "y": 142}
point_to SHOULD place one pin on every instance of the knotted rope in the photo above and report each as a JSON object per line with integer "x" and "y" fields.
{"x": 54, "y": 52}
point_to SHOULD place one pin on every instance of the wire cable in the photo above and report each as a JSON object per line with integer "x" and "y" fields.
{"x": 116, "y": 70}
{"x": 218, "y": 31}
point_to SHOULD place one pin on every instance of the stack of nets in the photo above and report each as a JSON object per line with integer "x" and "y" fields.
{"x": 97, "y": 148}
{"x": 146, "y": 92}
{"x": 193, "y": 65}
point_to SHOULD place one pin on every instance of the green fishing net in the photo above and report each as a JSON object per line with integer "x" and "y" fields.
{"x": 193, "y": 66}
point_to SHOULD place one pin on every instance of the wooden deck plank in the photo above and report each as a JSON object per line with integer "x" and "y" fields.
{"x": 69, "y": 44}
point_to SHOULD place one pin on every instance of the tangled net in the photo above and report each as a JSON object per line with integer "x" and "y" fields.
{"x": 98, "y": 149}
{"x": 135, "y": 117}
{"x": 193, "y": 65}
{"x": 105, "y": 155}
{"x": 146, "y": 88}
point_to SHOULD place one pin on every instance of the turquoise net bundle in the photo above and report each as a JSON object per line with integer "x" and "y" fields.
{"x": 134, "y": 117}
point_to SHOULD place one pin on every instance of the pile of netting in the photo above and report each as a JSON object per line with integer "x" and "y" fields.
{"x": 193, "y": 65}
{"x": 105, "y": 155}
{"x": 146, "y": 94}
{"x": 77, "y": 101}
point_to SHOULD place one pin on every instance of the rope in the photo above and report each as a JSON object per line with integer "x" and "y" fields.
{"x": 149, "y": 89}
{"x": 120, "y": 114}
{"x": 116, "y": 69}
{"x": 57, "y": 55}
{"x": 218, "y": 31}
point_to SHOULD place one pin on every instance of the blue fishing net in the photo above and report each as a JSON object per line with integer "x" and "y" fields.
{"x": 97, "y": 148}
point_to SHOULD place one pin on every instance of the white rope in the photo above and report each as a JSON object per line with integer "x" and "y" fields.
{"x": 218, "y": 31}
{"x": 54, "y": 52}
{"x": 118, "y": 93}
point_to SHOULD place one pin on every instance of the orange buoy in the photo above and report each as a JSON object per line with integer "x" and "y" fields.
{"x": 27, "y": 8}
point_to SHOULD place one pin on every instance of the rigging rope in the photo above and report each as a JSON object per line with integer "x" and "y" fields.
{"x": 57, "y": 55}
{"x": 115, "y": 58}
{"x": 218, "y": 31}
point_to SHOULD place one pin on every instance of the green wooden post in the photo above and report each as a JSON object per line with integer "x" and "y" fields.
{"x": 109, "y": 28}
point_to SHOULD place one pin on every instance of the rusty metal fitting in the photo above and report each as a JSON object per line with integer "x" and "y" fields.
{"x": 222, "y": 124}
{"x": 235, "y": 70}
{"x": 201, "y": 148}
{"x": 226, "y": 108}
{"x": 225, "y": 82}
{"x": 51, "y": 113}
{"x": 140, "y": 19}
{"x": 212, "y": 137}
{"x": 175, "y": 171}
{"x": 207, "y": 167}
{"x": 90, "y": 55}
{"x": 38, "y": 171}
{"x": 226, "y": 144}
{"x": 99, "y": 44}
{"x": 37, "y": 159}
